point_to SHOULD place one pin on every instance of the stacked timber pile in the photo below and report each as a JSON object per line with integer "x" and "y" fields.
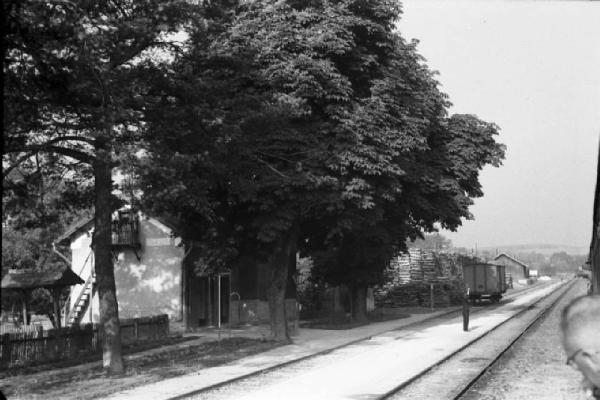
{"x": 409, "y": 276}
{"x": 415, "y": 269}
{"x": 449, "y": 265}
{"x": 407, "y": 294}
{"x": 428, "y": 266}
{"x": 398, "y": 271}
{"x": 415, "y": 266}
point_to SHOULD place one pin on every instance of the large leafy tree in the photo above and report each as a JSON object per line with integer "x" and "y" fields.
{"x": 412, "y": 167}
{"x": 74, "y": 87}
{"x": 437, "y": 187}
{"x": 431, "y": 241}
{"x": 314, "y": 123}
{"x": 260, "y": 124}
{"x": 395, "y": 164}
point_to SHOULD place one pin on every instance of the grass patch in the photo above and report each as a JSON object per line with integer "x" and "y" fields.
{"x": 95, "y": 383}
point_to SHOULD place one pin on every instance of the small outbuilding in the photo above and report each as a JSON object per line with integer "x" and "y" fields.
{"x": 25, "y": 281}
{"x": 517, "y": 270}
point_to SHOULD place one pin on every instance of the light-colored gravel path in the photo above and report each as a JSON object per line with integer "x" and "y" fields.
{"x": 369, "y": 369}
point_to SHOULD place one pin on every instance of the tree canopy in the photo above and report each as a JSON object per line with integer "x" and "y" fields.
{"x": 258, "y": 127}
{"x": 311, "y": 122}
{"x": 74, "y": 89}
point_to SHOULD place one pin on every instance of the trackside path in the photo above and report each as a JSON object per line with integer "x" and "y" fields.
{"x": 372, "y": 368}
{"x": 309, "y": 343}
{"x": 308, "y": 349}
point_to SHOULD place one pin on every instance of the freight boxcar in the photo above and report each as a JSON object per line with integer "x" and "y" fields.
{"x": 485, "y": 281}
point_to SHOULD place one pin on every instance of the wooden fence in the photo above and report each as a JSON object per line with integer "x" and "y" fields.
{"x": 35, "y": 347}
{"x": 144, "y": 329}
{"x": 10, "y": 328}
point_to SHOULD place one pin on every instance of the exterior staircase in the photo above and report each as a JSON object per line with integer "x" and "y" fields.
{"x": 83, "y": 301}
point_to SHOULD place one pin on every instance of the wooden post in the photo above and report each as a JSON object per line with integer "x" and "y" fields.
{"x": 24, "y": 298}
{"x": 210, "y": 297}
{"x": 183, "y": 297}
{"x": 219, "y": 301}
{"x": 56, "y": 300}
{"x": 431, "y": 295}
{"x": 136, "y": 330}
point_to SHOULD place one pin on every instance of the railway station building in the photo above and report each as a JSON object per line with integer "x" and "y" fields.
{"x": 515, "y": 269}
{"x": 157, "y": 273}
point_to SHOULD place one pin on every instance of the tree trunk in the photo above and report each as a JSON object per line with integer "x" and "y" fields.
{"x": 185, "y": 318}
{"x": 358, "y": 298}
{"x": 56, "y": 305}
{"x": 112, "y": 359}
{"x": 279, "y": 267}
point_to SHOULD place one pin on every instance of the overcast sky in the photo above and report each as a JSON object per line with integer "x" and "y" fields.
{"x": 533, "y": 68}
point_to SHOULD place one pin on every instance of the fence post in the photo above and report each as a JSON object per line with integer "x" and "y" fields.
{"x": 136, "y": 332}
{"x": 431, "y": 294}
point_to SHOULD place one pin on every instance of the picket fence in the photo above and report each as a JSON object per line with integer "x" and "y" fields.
{"x": 41, "y": 346}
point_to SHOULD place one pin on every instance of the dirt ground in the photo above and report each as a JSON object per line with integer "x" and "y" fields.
{"x": 94, "y": 383}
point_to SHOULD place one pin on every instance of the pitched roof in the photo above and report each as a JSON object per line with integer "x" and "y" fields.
{"x": 76, "y": 227}
{"x": 29, "y": 279}
{"x": 85, "y": 223}
{"x": 511, "y": 258}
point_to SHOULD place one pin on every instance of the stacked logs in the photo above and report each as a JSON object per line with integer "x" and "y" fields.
{"x": 408, "y": 278}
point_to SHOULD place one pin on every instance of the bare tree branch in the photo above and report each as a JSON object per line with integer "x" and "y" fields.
{"x": 273, "y": 168}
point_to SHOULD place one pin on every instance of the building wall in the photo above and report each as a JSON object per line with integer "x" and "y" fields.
{"x": 517, "y": 271}
{"x": 247, "y": 293}
{"x": 149, "y": 286}
{"x": 197, "y": 310}
{"x": 152, "y": 284}
{"x": 245, "y": 280}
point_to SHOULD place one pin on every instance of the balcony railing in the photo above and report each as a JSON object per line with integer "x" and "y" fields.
{"x": 125, "y": 234}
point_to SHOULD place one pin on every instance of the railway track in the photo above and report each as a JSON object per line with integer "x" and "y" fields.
{"x": 454, "y": 375}
{"x": 266, "y": 376}
{"x": 486, "y": 306}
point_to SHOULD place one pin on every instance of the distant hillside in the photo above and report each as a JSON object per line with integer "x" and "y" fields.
{"x": 546, "y": 249}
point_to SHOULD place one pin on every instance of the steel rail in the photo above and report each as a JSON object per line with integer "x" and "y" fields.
{"x": 541, "y": 315}
{"x": 285, "y": 364}
{"x": 565, "y": 287}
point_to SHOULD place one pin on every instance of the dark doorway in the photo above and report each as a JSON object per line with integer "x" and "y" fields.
{"x": 225, "y": 293}
{"x": 212, "y": 299}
